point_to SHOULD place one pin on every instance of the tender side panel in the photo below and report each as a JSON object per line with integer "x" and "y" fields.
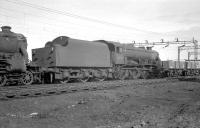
{"x": 79, "y": 53}
{"x": 138, "y": 53}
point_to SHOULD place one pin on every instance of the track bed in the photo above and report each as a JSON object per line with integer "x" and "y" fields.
{"x": 158, "y": 105}
{"x": 16, "y": 92}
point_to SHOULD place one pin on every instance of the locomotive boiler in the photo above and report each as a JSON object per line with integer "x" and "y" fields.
{"x": 13, "y": 57}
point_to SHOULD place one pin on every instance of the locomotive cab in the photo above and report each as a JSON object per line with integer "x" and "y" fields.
{"x": 118, "y": 57}
{"x": 116, "y": 52}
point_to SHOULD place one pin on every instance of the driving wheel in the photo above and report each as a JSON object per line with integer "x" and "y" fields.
{"x": 3, "y": 80}
{"x": 27, "y": 78}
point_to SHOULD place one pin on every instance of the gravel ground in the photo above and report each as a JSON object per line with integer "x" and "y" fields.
{"x": 164, "y": 105}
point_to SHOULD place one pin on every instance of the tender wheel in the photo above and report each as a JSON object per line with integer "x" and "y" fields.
{"x": 84, "y": 76}
{"x": 3, "y": 80}
{"x": 27, "y": 78}
{"x": 101, "y": 76}
{"x": 85, "y": 79}
{"x": 65, "y": 80}
{"x": 100, "y": 79}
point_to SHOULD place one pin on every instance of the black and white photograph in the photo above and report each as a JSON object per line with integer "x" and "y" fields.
{"x": 99, "y": 64}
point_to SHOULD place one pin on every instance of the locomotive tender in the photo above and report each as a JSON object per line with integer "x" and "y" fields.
{"x": 67, "y": 59}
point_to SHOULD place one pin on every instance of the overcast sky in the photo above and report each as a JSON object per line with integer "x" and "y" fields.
{"x": 43, "y": 20}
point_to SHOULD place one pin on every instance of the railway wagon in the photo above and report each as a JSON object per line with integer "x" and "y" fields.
{"x": 70, "y": 59}
{"x": 192, "y": 67}
{"x": 174, "y": 68}
{"x": 180, "y": 68}
{"x": 13, "y": 58}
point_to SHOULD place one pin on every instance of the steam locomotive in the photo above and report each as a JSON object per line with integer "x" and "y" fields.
{"x": 71, "y": 59}
{"x": 13, "y": 58}
{"x": 66, "y": 59}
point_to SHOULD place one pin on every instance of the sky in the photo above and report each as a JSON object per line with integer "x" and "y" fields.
{"x": 123, "y": 21}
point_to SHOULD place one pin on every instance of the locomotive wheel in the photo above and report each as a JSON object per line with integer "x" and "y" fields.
{"x": 116, "y": 75}
{"x": 27, "y": 78}
{"x": 122, "y": 74}
{"x": 135, "y": 73}
{"x": 3, "y": 80}
{"x": 168, "y": 74}
{"x": 145, "y": 75}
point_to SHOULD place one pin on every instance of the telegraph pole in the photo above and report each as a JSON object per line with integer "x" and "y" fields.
{"x": 195, "y": 49}
{"x": 183, "y": 46}
{"x": 179, "y": 52}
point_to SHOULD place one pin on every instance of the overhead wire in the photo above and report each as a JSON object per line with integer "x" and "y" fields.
{"x": 49, "y": 10}
{"x": 51, "y": 25}
{"x": 51, "y": 19}
{"x": 106, "y": 31}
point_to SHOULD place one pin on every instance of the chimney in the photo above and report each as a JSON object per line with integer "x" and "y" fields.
{"x": 6, "y": 28}
{"x": 149, "y": 48}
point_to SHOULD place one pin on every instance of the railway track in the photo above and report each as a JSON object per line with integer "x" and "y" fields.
{"x": 17, "y": 92}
